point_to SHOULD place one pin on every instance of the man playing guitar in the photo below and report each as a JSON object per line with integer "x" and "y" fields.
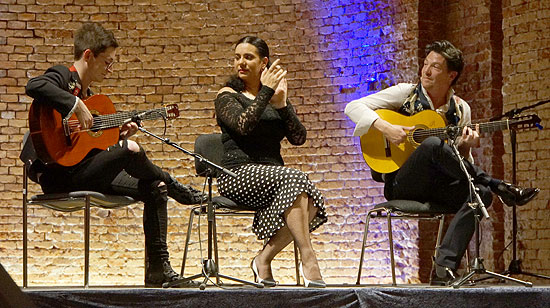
{"x": 122, "y": 167}
{"x": 432, "y": 172}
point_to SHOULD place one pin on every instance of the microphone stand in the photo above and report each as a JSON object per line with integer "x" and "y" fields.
{"x": 209, "y": 265}
{"x": 477, "y": 205}
{"x": 515, "y": 264}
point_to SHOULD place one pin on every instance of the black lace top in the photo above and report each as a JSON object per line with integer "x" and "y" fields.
{"x": 252, "y": 130}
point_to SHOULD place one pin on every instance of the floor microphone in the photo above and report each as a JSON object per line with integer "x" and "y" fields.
{"x": 136, "y": 118}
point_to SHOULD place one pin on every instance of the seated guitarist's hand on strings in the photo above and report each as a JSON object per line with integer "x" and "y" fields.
{"x": 396, "y": 134}
{"x": 127, "y": 130}
{"x": 83, "y": 115}
{"x": 468, "y": 139}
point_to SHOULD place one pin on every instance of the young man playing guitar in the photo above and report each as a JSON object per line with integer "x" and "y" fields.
{"x": 121, "y": 168}
{"x": 432, "y": 172}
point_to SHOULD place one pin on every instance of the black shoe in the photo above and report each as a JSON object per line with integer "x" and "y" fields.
{"x": 511, "y": 194}
{"x": 158, "y": 274}
{"x": 185, "y": 194}
{"x": 443, "y": 276}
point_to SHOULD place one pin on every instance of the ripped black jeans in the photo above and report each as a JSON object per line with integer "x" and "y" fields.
{"x": 118, "y": 170}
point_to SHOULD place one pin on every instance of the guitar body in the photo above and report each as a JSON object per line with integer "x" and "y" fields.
{"x": 48, "y": 136}
{"x": 383, "y": 156}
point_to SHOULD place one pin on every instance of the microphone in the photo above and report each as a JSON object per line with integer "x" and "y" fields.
{"x": 136, "y": 118}
{"x": 452, "y": 132}
{"x": 230, "y": 173}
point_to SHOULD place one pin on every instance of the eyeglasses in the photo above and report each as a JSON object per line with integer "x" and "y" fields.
{"x": 108, "y": 64}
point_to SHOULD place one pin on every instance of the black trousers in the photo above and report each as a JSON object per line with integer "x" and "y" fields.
{"x": 433, "y": 174}
{"x": 118, "y": 170}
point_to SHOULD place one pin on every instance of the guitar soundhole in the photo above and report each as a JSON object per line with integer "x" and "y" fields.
{"x": 97, "y": 124}
{"x": 418, "y": 135}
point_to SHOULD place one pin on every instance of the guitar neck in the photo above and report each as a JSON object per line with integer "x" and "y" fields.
{"x": 117, "y": 119}
{"x": 490, "y": 127}
{"x": 441, "y": 132}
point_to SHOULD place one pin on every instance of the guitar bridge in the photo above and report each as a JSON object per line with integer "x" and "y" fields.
{"x": 387, "y": 148}
{"x": 67, "y": 132}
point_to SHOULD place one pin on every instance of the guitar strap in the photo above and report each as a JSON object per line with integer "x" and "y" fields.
{"x": 417, "y": 101}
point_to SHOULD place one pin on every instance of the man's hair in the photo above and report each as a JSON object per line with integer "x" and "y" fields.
{"x": 94, "y": 37}
{"x": 452, "y": 55}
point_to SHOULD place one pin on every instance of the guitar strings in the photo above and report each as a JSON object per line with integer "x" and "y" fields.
{"x": 112, "y": 120}
{"x": 441, "y": 131}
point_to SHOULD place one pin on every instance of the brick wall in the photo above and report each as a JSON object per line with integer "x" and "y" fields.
{"x": 475, "y": 27}
{"x": 471, "y": 26}
{"x": 181, "y": 52}
{"x": 526, "y": 67}
{"x": 503, "y": 43}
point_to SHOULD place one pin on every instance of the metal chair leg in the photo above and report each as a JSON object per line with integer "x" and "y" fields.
{"x": 468, "y": 263}
{"x": 82, "y": 196}
{"x": 87, "y": 243}
{"x": 437, "y": 244}
{"x": 439, "y": 233}
{"x": 390, "y": 238}
{"x": 365, "y": 233}
{"x": 25, "y": 238}
{"x": 216, "y": 258}
{"x": 187, "y": 237}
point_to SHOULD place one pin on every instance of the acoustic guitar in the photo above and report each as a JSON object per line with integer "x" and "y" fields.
{"x": 384, "y": 157}
{"x": 61, "y": 141}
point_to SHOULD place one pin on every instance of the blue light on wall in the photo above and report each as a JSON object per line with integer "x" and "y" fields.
{"x": 360, "y": 46}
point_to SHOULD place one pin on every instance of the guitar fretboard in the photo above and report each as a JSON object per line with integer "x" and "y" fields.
{"x": 116, "y": 119}
{"x": 420, "y": 135}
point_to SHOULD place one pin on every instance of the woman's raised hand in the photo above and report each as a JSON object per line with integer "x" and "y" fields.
{"x": 278, "y": 100}
{"x": 273, "y": 75}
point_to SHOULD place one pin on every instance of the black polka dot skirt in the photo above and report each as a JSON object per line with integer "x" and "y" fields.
{"x": 270, "y": 190}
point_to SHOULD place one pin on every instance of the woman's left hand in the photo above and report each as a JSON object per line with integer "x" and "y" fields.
{"x": 128, "y": 130}
{"x": 278, "y": 100}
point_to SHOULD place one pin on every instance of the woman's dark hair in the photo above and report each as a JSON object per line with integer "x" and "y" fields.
{"x": 234, "y": 81}
{"x": 452, "y": 55}
{"x": 94, "y": 37}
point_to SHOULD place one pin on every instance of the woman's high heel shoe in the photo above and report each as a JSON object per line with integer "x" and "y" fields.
{"x": 311, "y": 283}
{"x": 269, "y": 282}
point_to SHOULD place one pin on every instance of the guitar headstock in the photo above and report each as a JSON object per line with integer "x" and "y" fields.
{"x": 172, "y": 111}
{"x": 524, "y": 122}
